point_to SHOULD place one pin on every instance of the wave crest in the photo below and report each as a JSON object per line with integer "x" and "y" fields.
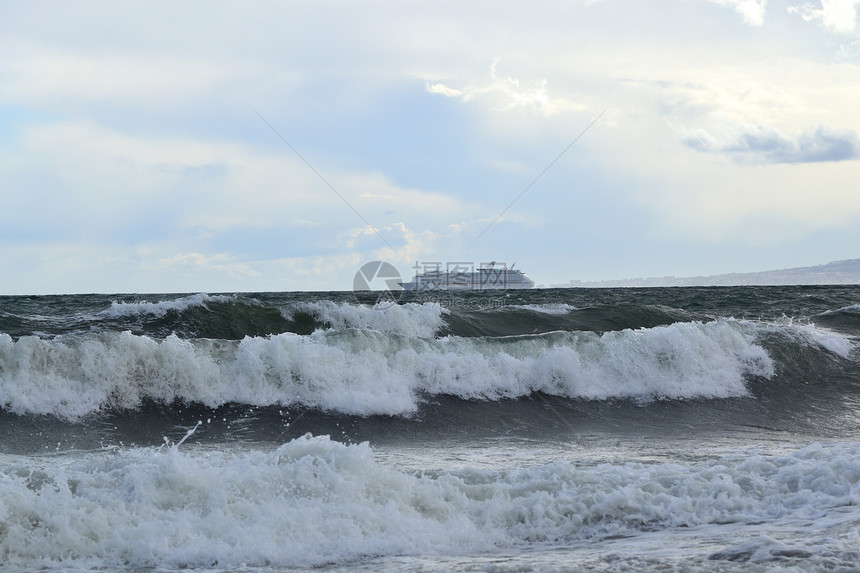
{"x": 161, "y": 308}
{"x": 367, "y": 372}
{"x": 423, "y": 320}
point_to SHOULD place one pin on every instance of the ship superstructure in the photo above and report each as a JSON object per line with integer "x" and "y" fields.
{"x": 488, "y": 277}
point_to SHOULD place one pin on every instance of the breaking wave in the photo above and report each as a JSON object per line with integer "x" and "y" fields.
{"x": 161, "y": 308}
{"x": 314, "y": 502}
{"x": 367, "y": 372}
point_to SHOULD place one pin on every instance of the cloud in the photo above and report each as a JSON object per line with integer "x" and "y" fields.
{"x": 838, "y": 16}
{"x": 188, "y": 207}
{"x": 766, "y": 144}
{"x": 753, "y": 11}
{"x": 767, "y": 205}
{"x": 140, "y": 151}
{"x": 194, "y": 262}
{"x": 444, "y": 90}
{"x": 140, "y": 187}
{"x": 114, "y": 179}
{"x": 57, "y": 80}
{"x": 505, "y": 94}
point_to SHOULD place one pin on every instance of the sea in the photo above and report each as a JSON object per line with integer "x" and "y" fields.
{"x": 653, "y": 429}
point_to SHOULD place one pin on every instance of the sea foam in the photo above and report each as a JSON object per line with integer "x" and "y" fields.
{"x": 550, "y": 308}
{"x": 161, "y": 308}
{"x": 367, "y": 372}
{"x": 850, "y": 309}
{"x": 316, "y": 502}
{"x": 411, "y": 319}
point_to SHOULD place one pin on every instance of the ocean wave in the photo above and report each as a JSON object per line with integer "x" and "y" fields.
{"x": 367, "y": 372}
{"x": 854, "y": 308}
{"x": 811, "y": 336}
{"x": 549, "y": 308}
{"x": 161, "y": 308}
{"x": 315, "y": 502}
{"x": 412, "y": 319}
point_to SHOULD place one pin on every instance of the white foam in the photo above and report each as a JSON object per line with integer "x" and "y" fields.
{"x": 550, "y": 308}
{"x": 368, "y": 372}
{"x": 159, "y": 309}
{"x": 850, "y": 308}
{"x": 315, "y": 502}
{"x": 812, "y": 336}
{"x": 411, "y": 319}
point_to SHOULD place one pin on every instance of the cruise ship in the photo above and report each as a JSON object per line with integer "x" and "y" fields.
{"x": 484, "y": 278}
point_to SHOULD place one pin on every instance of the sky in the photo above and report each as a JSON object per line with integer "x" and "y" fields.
{"x": 279, "y": 146}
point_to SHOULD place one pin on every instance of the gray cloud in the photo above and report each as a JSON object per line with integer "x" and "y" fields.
{"x": 765, "y": 144}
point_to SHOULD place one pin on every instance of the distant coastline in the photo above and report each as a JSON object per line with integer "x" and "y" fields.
{"x": 834, "y": 273}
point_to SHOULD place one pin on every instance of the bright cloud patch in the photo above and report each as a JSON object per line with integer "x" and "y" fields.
{"x": 752, "y": 10}
{"x": 836, "y": 15}
{"x": 508, "y": 93}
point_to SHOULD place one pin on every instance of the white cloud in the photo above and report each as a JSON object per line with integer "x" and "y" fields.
{"x": 57, "y": 79}
{"x": 444, "y": 90}
{"x": 506, "y": 94}
{"x": 753, "y": 11}
{"x": 192, "y": 263}
{"x": 839, "y": 16}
